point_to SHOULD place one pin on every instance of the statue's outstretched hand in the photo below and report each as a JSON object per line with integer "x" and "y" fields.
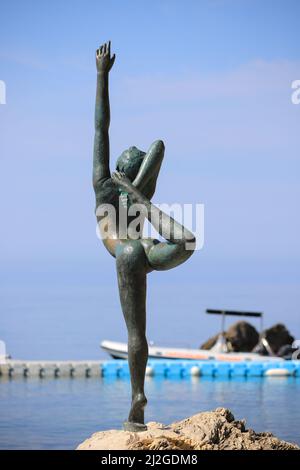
{"x": 103, "y": 60}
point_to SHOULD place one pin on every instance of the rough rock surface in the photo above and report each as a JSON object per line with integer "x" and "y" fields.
{"x": 277, "y": 336}
{"x": 241, "y": 336}
{"x": 212, "y": 430}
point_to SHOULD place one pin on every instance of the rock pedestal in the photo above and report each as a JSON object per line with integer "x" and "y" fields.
{"x": 212, "y": 430}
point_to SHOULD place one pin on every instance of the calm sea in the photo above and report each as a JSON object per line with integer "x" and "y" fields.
{"x": 59, "y": 321}
{"x": 60, "y": 413}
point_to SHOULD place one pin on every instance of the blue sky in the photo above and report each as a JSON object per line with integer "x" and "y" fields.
{"x": 210, "y": 78}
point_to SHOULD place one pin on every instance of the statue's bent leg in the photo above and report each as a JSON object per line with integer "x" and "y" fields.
{"x": 180, "y": 242}
{"x": 165, "y": 255}
{"x": 132, "y": 269}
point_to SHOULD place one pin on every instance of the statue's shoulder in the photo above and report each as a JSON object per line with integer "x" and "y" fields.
{"x": 106, "y": 191}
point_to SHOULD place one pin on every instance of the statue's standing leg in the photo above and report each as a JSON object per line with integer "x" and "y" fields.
{"x": 132, "y": 270}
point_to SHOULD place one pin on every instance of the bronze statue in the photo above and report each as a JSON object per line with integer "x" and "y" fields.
{"x": 133, "y": 182}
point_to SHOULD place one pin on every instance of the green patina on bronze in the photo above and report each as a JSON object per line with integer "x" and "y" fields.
{"x": 136, "y": 176}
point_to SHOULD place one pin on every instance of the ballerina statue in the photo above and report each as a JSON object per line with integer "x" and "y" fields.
{"x": 133, "y": 183}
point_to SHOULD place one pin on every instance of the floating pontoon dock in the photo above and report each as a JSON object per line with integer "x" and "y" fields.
{"x": 156, "y": 368}
{"x": 19, "y": 368}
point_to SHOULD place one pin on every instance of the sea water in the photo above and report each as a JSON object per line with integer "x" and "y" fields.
{"x": 60, "y": 413}
{"x": 66, "y": 321}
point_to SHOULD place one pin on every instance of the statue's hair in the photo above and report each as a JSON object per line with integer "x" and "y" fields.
{"x": 130, "y": 161}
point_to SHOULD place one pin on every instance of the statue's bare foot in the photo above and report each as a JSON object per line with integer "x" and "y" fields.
{"x": 138, "y": 404}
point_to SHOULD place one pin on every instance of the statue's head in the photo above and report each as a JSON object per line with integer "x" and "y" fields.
{"x": 130, "y": 161}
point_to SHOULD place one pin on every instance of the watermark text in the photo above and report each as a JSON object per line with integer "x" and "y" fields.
{"x": 295, "y": 97}
{"x": 174, "y": 223}
{"x": 2, "y": 92}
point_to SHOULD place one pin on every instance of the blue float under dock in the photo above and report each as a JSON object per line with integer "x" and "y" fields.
{"x": 181, "y": 369}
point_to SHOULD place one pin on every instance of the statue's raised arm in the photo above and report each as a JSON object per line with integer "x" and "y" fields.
{"x": 104, "y": 63}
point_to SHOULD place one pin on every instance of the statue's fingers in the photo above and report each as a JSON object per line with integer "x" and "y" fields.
{"x": 116, "y": 175}
{"x": 112, "y": 60}
{"x": 101, "y": 50}
{"x": 108, "y": 47}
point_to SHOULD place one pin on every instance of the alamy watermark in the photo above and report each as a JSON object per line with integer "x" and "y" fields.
{"x": 296, "y": 347}
{"x": 2, "y": 352}
{"x": 2, "y": 92}
{"x": 295, "y": 97}
{"x": 175, "y": 223}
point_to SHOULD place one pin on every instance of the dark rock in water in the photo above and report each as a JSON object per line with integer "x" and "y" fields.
{"x": 277, "y": 336}
{"x": 241, "y": 336}
{"x": 208, "y": 344}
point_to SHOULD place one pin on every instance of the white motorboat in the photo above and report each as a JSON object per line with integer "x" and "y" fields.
{"x": 219, "y": 352}
{"x": 119, "y": 351}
